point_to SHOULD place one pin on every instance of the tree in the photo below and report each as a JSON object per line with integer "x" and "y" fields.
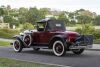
{"x": 22, "y": 16}
{"x": 23, "y": 11}
{"x": 10, "y": 20}
{"x": 97, "y": 20}
{"x": 1, "y": 12}
{"x": 28, "y": 26}
{"x": 85, "y": 16}
{"x": 62, "y": 16}
{"x": 72, "y": 18}
{"x": 84, "y": 19}
{"x": 34, "y": 15}
{"x": 44, "y": 11}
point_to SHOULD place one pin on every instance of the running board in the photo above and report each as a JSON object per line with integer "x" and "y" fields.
{"x": 41, "y": 47}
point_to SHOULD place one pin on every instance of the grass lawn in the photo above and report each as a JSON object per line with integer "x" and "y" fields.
{"x": 4, "y": 62}
{"x": 4, "y": 43}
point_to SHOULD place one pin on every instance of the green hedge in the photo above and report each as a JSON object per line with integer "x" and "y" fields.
{"x": 96, "y": 34}
{"x": 86, "y": 29}
{"x": 96, "y": 41}
{"x": 8, "y": 33}
{"x": 27, "y": 26}
{"x": 89, "y": 29}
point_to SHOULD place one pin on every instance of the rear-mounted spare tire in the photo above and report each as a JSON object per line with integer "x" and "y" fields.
{"x": 27, "y": 40}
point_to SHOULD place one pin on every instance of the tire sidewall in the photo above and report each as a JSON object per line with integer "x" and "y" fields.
{"x": 54, "y": 50}
{"x": 78, "y": 51}
{"x": 30, "y": 40}
{"x": 20, "y": 46}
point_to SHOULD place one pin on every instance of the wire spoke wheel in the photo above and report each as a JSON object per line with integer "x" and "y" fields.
{"x": 27, "y": 40}
{"x": 17, "y": 46}
{"x": 58, "y": 48}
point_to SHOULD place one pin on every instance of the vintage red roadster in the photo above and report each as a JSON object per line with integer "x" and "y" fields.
{"x": 52, "y": 34}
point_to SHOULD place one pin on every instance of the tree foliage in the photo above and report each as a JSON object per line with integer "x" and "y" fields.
{"x": 28, "y": 26}
{"x": 1, "y": 12}
{"x": 97, "y": 20}
{"x": 62, "y": 16}
{"x": 32, "y": 15}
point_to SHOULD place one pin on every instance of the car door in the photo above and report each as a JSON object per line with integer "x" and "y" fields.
{"x": 40, "y": 38}
{"x": 44, "y": 37}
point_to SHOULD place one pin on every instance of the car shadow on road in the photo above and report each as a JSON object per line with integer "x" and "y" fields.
{"x": 40, "y": 52}
{"x": 50, "y": 53}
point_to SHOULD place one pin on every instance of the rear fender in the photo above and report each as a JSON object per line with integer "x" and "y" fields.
{"x": 57, "y": 37}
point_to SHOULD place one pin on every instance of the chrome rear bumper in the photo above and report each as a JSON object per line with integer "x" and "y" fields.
{"x": 79, "y": 47}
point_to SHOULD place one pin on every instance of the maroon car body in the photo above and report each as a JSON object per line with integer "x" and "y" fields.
{"x": 52, "y": 34}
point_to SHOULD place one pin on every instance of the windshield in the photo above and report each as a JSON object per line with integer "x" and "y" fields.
{"x": 56, "y": 25}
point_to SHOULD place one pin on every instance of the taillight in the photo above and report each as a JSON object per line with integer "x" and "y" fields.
{"x": 72, "y": 37}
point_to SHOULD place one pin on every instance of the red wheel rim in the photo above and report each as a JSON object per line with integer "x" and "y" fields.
{"x": 27, "y": 40}
{"x": 58, "y": 48}
{"x": 17, "y": 45}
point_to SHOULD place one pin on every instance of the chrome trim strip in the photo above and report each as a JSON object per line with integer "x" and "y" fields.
{"x": 78, "y": 47}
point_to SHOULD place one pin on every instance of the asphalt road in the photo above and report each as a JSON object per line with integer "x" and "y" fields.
{"x": 87, "y": 59}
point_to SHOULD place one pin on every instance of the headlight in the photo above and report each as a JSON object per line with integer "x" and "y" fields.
{"x": 21, "y": 33}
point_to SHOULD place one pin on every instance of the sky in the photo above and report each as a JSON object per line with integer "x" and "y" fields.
{"x": 66, "y": 5}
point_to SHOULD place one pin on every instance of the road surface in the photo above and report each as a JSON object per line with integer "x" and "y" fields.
{"x": 87, "y": 59}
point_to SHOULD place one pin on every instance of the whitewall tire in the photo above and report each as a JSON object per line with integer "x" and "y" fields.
{"x": 17, "y": 46}
{"x": 27, "y": 40}
{"x": 59, "y": 48}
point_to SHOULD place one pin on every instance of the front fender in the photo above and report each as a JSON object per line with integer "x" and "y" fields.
{"x": 19, "y": 37}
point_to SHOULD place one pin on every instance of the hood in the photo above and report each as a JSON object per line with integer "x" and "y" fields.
{"x": 67, "y": 32}
{"x": 71, "y": 32}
